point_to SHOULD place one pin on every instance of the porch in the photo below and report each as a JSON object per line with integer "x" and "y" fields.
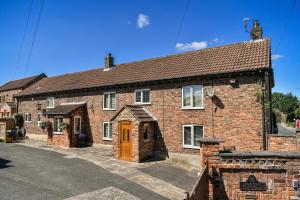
{"x": 66, "y": 124}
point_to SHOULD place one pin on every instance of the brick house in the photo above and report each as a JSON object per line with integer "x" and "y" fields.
{"x": 160, "y": 105}
{"x": 8, "y": 105}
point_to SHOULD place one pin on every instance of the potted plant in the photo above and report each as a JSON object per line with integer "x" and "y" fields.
{"x": 63, "y": 126}
{"x": 82, "y": 139}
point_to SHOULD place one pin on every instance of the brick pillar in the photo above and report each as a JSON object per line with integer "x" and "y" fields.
{"x": 209, "y": 155}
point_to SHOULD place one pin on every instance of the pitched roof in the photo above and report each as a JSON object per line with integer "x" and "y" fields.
{"x": 63, "y": 109}
{"x": 245, "y": 56}
{"x": 21, "y": 83}
{"x": 139, "y": 112}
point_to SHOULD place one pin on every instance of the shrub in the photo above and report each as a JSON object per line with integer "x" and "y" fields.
{"x": 19, "y": 120}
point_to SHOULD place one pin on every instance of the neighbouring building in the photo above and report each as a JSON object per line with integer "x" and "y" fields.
{"x": 9, "y": 90}
{"x": 160, "y": 105}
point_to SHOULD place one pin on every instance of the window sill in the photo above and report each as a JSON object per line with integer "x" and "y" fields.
{"x": 190, "y": 147}
{"x": 107, "y": 139}
{"x": 192, "y": 108}
{"x": 58, "y": 133}
{"x": 107, "y": 109}
{"x": 27, "y": 121}
{"x": 146, "y": 104}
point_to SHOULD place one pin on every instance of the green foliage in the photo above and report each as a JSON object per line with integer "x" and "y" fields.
{"x": 297, "y": 112}
{"x": 286, "y": 103}
{"x": 45, "y": 124}
{"x": 19, "y": 120}
{"x": 63, "y": 126}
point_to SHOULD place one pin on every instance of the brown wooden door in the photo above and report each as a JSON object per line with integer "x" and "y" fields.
{"x": 125, "y": 135}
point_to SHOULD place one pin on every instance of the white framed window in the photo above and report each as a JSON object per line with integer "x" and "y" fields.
{"x": 27, "y": 117}
{"x": 142, "y": 96}
{"x": 56, "y": 125}
{"x": 189, "y": 135}
{"x": 109, "y": 101}
{"x": 50, "y": 102}
{"x": 39, "y": 119}
{"x": 77, "y": 124}
{"x": 107, "y": 131}
{"x": 192, "y": 97}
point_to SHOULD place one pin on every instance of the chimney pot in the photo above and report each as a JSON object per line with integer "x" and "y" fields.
{"x": 256, "y": 31}
{"x": 109, "y": 61}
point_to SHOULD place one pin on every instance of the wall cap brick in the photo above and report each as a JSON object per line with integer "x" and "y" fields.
{"x": 262, "y": 154}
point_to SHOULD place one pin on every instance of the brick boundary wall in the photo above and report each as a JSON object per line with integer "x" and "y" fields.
{"x": 226, "y": 170}
{"x": 200, "y": 190}
{"x": 283, "y": 143}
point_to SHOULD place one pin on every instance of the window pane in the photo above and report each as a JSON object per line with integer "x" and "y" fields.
{"x": 112, "y": 101}
{"x": 197, "y": 96}
{"x": 110, "y": 130}
{"x": 146, "y": 96}
{"x": 187, "y": 136}
{"x": 198, "y": 133}
{"x": 39, "y": 117}
{"x": 77, "y": 125}
{"x": 186, "y": 96}
{"x": 105, "y": 130}
{"x": 60, "y": 120}
{"x": 29, "y": 117}
{"x": 106, "y": 101}
{"x": 55, "y": 127}
{"x": 138, "y": 96}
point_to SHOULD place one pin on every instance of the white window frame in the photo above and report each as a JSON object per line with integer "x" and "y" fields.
{"x": 192, "y": 146}
{"x": 109, "y": 130}
{"x": 142, "y": 98}
{"x": 39, "y": 121}
{"x": 191, "y": 97}
{"x": 112, "y": 92}
{"x": 77, "y": 117}
{"x": 57, "y": 133}
{"x": 50, "y": 99}
{"x": 26, "y": 118}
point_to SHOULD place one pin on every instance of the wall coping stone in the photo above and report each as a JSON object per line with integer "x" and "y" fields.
{"x": 209, "y": 140}
{"x": 262, "y": 154}
{"x": 281, "y": 135}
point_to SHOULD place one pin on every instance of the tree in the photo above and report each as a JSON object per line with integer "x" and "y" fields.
{"x": 286, "y": 103}
{"x": 297, "y": 112}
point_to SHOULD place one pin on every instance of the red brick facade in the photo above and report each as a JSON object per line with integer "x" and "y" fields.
{"x": 237, "y": 116}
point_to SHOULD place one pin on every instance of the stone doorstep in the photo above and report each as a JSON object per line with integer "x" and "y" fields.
{"x": 128, "y": 170}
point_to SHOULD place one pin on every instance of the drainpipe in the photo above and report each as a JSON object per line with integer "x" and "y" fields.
{"x": 212, "y": 111}
{"x": 264, "y": 137}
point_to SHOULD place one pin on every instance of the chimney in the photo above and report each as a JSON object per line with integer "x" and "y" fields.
{"x": 109, "y": 62}
{"x": 256, "y": 31}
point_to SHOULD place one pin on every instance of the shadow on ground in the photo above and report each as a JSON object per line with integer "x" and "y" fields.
{"x": 4, "y": 162}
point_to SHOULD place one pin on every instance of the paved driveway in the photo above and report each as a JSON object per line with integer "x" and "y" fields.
{"x": 34, "y": 174}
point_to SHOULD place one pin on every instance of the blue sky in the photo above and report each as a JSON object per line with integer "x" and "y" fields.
{"x": 75, "y": 35}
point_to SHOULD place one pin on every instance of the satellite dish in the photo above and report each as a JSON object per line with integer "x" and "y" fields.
{"x": 210, "y": 92}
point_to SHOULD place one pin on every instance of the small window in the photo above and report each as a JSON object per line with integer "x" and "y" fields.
{"x": 109, "y": 101}
{"x": 190, "y": 134}
{"x": 192, "y": 97}
{"x": 142, "y": 96}
{"x": 27, "y": 117}
{"x": 50, "y": 102}
{"x": 107, "y": 131}
{"x": 39, "y": 119}
{"x": 77, "y": 125}
{"x": 56, "y": 125}
{"x": 146, "y": 137}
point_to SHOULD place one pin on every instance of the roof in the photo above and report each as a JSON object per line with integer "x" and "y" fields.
{"x": 139, "y": 112}
{"x": 21, "y": 83}
{"x": 63, "y": 109}
{"x": 244, "y": 56}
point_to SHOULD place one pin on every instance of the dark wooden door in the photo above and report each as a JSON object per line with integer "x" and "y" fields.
{"x": 125, "y": 135}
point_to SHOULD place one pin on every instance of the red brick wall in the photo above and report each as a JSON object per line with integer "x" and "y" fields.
{"x": 282, "y": 143}
{"x": 226, "y": 172}
{"x": 237, "y": 114}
